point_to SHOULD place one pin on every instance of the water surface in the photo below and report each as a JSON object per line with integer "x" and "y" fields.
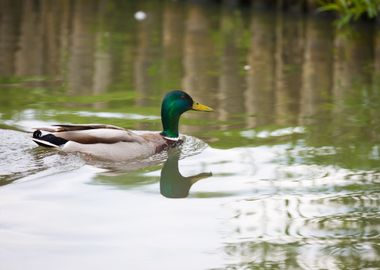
{"x": 283, "y": 175}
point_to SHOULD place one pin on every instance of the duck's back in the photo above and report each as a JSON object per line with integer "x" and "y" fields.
{"x": 106, "y": 142}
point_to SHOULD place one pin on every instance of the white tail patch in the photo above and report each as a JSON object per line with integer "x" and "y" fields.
{"x": 44, "y": 143}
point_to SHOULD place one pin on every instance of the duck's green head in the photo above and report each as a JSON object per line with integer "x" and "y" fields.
{"x": 173, "y": 105}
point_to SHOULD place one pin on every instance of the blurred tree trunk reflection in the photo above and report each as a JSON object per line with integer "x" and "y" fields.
{"x": 173, "y": 31}
{"x": 52, "y": 16}
{"x": 351, "y": 62}
{"x": 103, "y": 58}
{"x": 352, "y": 78}
{"x": 82, "y": 49}
{"x": 64, "y": 29}
{"x": 376, "y": 72}
{"x": 30, "y": 54}
{"x": 199, "y": 59}
{"x": 289, "y": 57}
{"x": 317, "y": 70}
{"x": 10, "y": 12}
{"x": 148, "y": 42}
{"x": 259, "y": 97}
{"x": 231, "y": 79}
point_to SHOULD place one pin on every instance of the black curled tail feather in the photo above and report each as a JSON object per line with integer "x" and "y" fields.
{"x": 48, "y": 140}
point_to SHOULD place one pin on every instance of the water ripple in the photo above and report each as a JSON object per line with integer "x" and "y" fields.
{"x": 307, "y": 218}
{"x": 20, "y": 157}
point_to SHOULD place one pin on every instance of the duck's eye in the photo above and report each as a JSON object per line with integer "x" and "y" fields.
{"x": 183, "y": 97}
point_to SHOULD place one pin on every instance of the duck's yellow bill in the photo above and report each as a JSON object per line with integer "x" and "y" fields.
{"x": 200, "y": 107}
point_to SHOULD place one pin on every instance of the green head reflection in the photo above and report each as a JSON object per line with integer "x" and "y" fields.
{"x": 172, "y": 183}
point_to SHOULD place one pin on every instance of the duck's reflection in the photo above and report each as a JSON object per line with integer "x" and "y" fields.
{"x": 126, "y": 176}
{"x": 172, "y": 183}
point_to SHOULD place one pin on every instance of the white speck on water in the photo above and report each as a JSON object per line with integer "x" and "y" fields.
{"x": 140, "y": 15}
{"x": 247, "y": 67}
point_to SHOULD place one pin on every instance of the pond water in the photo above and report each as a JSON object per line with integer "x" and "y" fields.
{"x": 283, "y": 175}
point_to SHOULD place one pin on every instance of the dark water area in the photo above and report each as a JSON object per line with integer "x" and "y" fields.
{"x": 284, "y": 174}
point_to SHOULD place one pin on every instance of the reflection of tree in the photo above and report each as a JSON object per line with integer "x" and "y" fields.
{"x": 9, "y": 33}
{"x": 230, "y": 78}
{"x": 263, "y": 255}
{"x": 351, "y": 62}
{"x": 353, "y": 102}
{"x": 317, "y": 69}
{"x": 148, "y": 42}
{"x": 103, "y": 58}
{"x": 199, "y": 51}
{"x": 172, "y": 35}
{"x": 282, "y": 232}
{"x": 29, "y": 57}
{"x": 259, "y": 96}
{"x": 343, "y": 254}
{"x": 82, "y": 49}
{"x": 289, "y": 57}
{"x": 376, "y": 73}
{"x": 52, "y": 15}
{"x": 199, "y": 60}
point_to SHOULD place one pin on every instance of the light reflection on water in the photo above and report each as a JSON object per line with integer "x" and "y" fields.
{"x": 288, "y": 165}
{"x": 261, "y": 206}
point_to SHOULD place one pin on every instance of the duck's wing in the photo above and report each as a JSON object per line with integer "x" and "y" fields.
{"x": 86, "y": 134}
{"x": 74, "y": 127}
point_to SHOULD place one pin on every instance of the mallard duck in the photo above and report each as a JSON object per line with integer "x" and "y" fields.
{"x": 115, "y": 143}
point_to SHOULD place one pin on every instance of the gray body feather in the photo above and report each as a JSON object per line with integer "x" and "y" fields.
{"x": 107, "y": 142}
